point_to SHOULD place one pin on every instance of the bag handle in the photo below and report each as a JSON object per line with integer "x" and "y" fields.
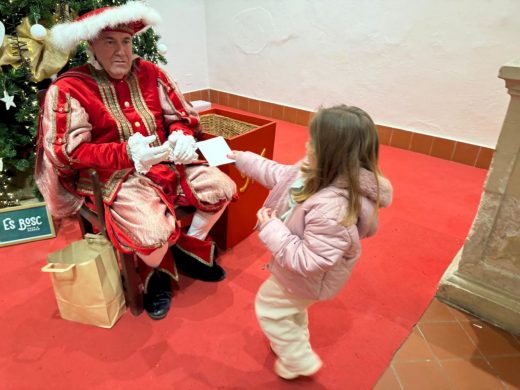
{"x": 96, "y": 239}
{"x": 50, "y": 268}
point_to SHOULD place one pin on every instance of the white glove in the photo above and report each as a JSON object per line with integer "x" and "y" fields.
{"x": 143, "y": 155}
{"x": 183, "y": 149}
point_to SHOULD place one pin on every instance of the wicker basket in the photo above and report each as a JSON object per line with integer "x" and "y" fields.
{"x": 221, "y": 125}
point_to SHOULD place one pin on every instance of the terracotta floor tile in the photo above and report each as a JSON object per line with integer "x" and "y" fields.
{"x": 385, "y": 133}
{"x": 421, "y": 375}
{"x": 466, "y": 153}
{"x": 414, "y": 348}
{"x": 196, "y": 95}
{"x": 472, "y": 374}
{"x": 232, "y": 100}
{"x": 490, "y": 340}
{"x": 442, "y": 148}
{"x": 254, "y": 106}
{"x": 484, "y": 158}
{"x": 421, "y": 143}
{"x": 266, "y": 108}
{"x": 223, "y": 98}
{"x": 303, "y": 117}
{"x": 508, "y": 369}
{"x": 277, "y": 111}
{"x": 290, "y": 114}
{"x": 436, "y": 312}
{"x": 448, "y": 340}
{"x": 388, "y": 381}
{"x": 401, "y": 139}
{"x": 460, "y": 315}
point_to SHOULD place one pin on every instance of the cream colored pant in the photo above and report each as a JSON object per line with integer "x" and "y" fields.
{"x": 283, "y": 318}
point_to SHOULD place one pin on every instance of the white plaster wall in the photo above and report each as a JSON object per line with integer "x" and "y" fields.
{"x": 183, "y": 30}
{"x": 428, "y": 66}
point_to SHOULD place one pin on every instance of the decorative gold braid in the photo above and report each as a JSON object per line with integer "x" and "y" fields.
{"x": 52, "y": 137}
{"x": 109, "y": 96}
{"x": 142, "y": 109}
{"x": 108, "y": 189}
{"x": 168, "y": 100}
{"x": 199, "y": 258}
{"x": 68, "y": 109}
{"x": 174, "y": 277}
{"x": 178, "y": 93}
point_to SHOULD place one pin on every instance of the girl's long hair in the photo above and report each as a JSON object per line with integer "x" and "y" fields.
{"x": 342, "y": 139}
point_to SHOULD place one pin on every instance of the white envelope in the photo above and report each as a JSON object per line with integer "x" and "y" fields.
{"x": 215, "y": 151}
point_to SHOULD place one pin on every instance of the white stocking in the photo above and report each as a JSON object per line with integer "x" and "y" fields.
{"x": 203, "y": 221}
{"x": 154, "y": 259}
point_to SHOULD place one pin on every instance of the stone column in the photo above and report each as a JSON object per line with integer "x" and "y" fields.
{"x": 484, "y": 277}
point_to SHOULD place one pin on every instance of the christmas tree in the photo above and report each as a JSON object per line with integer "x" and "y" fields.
{"x": 29, "y": 63}
{"x": 7, "y": 198}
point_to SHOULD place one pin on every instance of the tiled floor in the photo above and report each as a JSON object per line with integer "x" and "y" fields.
{"x": 449, "y": 349}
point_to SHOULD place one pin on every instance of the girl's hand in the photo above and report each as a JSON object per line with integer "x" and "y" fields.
{"x": 233, "y": 154}
{"x": 265, "y": 214}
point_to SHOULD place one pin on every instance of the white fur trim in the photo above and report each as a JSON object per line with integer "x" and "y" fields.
{"x": 67, "y": 35}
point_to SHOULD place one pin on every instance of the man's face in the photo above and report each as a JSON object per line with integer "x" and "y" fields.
{"x": 113, "y": 50}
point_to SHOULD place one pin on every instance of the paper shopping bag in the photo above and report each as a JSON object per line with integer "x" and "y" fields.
{"x": 87, "y": 283}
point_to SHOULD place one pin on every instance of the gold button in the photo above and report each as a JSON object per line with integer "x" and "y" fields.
{"x": 127, "y": 104}
{"x": 137, "y": 124}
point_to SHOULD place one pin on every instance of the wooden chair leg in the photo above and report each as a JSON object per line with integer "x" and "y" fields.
{"x": 131, "y": 283}
{"x": 84, "y": 225}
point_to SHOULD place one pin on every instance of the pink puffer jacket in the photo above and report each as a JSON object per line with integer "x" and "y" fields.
{"x": 313, "y": 254}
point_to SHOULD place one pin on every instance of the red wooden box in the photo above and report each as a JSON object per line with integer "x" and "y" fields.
{"x": 256, "y": 135}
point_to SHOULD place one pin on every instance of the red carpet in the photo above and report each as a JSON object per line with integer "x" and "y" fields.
{"x": 211, "y": 340}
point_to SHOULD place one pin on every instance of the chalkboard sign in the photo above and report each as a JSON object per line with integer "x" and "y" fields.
{"x": 25, "y": 223}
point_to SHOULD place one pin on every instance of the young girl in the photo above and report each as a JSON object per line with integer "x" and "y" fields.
{"x": 312, "y": 222}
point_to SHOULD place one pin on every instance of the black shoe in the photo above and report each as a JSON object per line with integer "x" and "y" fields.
{"x": 158, "y": 296}
{"x": 190, "y": 266}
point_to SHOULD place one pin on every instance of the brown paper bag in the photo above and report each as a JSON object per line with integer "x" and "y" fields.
{"x": 87, "y": 283}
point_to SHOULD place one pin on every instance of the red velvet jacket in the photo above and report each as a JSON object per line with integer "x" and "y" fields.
{"x": 90, "y": 117}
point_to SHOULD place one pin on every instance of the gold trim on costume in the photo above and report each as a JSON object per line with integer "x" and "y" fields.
{"x": 174, "y": 277}
{"x": 68, "y": 111}
{"x": 142, "y": 109}
{"x": 65, "y": 109}
{"x": 164, "y": 270}
{"x": 168, "y": 100}
{"x": 84, "y": 184}
{"x": 199, "y": 259}
{"x": 189, "y": 112}
{"x": 109, "y": 96}
{"x": 51, "y": 139}
{"x": 179, "y": 94}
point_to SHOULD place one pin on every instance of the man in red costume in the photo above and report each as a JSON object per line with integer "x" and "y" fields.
{"x": 125, "y": 118}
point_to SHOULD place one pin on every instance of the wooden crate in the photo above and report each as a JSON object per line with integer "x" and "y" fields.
{"x": 242, "y": 132}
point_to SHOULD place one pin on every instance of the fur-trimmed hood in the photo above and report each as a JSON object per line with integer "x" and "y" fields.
{"x": 369, "y": 187}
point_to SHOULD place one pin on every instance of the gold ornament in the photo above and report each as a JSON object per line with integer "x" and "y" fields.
{"x": 43, "y": 58}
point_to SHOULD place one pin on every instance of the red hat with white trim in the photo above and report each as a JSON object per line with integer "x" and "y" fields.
{"x": 133, "y": 17}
